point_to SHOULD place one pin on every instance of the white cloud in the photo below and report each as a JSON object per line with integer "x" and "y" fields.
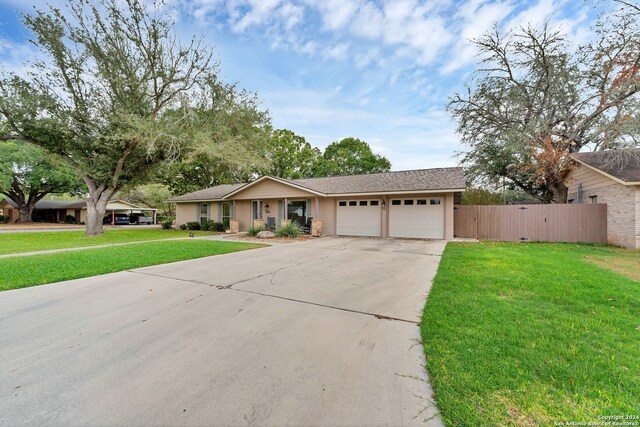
{"x": 473, "y": 19}
{"x": 338, "y": 52}
{"x": 335, "y": 13}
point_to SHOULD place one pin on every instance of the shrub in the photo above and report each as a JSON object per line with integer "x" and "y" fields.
{"x": 194, "y": 226}
{"x": 216, "y": 226}
{"x": 183, "y": 227}
{"x": 167, "y": 224}
{"x": 253, "y": 231}
{"x": 69, "y": 219}
{"x": 4, "y": 219}
{"x": 289, "y": 230}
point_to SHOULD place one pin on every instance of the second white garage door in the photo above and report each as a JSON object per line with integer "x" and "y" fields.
{"x": 420, "y": 218}
{"x": 359, "y": 218}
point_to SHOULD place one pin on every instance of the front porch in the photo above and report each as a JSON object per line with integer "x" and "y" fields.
{"x": 273, "y": 213}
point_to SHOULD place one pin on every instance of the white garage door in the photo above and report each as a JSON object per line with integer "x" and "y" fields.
{"x": 421, "y": 218}
{"x": 359, "y": 218}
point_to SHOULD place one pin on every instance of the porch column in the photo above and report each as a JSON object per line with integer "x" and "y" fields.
{"x": 113, "y": 217}
{"x": 286, "y": 208}
{"x": 233, "y": 206}
{"x": 316, "y": 209}
{"x": 259, "y": 213}
{"x": 155, "y": 216}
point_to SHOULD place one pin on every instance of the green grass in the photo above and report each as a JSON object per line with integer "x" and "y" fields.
{"x": 24, "y": 271}
{"x": 532, "y": 334}
{"x": 11, "y": 243}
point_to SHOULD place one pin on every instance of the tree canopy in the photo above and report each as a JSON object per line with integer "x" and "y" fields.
{"x": 290, "y": 156}
{"x": 350, "y": 156}
{"x": 118, "y": 96}
{"x": 536, "y": 99}
{"x": 28, "y": 173}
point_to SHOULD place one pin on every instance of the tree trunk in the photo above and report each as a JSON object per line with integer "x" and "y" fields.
{"x": 559, "y": 192}
{"x": 96, "y": 209}
{"x": 26, "y": 211}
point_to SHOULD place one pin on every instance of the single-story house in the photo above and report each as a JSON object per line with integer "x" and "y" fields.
{"x": 57, "y": 210}
{"x": 410, "y": 204}
{"x": 599, "y": 180}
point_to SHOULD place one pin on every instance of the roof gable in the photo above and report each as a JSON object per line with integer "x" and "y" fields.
{"x": 271, "y": 187}
{"x": 625, "y": 172}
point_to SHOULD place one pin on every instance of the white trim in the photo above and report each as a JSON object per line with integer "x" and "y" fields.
{"x": 404, "y": 192}
{"x": 600, "y": 171}
{"x": 281, "y": 181}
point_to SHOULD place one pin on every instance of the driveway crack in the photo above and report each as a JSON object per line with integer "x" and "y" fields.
{"x": 229, "y": 287}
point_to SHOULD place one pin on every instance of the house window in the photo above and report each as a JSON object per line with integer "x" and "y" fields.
{"x": 593, "y": 200}
{"x": 396, "y": 202}
{"x": 354, "y": 203}
{"x": 408, "y": 202}
{"x": 342, "y": 203}
{"x": 434, "y": 201}
{"x": 363, "y": 203}
{"x": 579, "y": 194}
{"x": 373, "y": 203}
{"x": 204, "y": 212}
{"x": 256, "y": 210}
{"x": 226, "y": 212}
{"x": 421, "y": 202}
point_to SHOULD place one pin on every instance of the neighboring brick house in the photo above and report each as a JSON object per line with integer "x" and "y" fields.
{"x": 598, "y": 180}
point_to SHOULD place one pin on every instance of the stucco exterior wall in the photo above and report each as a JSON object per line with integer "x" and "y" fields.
{"x": 185, "y": 212}
{"x": 623, "y": 204}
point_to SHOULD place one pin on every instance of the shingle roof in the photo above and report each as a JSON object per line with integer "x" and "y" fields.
{"x": 412, "y": 180}
{"x": 60, "y": 204}
{"x": 401, "y": 181}
{"x": 51, "y": 204}
{"x": 627, "y": 169}
{"x": 213, "y": 193}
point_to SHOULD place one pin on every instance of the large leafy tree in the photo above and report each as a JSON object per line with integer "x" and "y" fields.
{"x": 28, "y": 173}
{"x": 350, "y": 156}
{"x": 119, "y": 96}
{"x": 290, "y": 156}
{"x": 151, "y": 195}
{"x": 536, "y": 99}
{"x": 199, "y": 173}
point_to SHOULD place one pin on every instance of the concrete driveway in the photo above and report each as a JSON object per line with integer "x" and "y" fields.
{"x": 322, "y": 332}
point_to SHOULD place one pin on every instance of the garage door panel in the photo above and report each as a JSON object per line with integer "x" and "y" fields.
{"x": 417, "y": 221}
{"x": 359, "y": 220}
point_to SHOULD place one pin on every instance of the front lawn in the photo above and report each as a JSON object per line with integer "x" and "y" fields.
{"x": 11, "y": 243}
{"x": 20, "y": 272}
{"x": 532, "y": 334}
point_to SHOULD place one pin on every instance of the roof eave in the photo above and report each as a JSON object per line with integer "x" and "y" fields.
{"x": 391, "y": 192}
{"x": 193, "y": 200}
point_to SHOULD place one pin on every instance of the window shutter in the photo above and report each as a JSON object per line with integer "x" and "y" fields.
{"x": 219, "y": 211}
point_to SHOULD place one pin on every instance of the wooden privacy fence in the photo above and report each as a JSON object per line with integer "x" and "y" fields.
{"x": 532, "y": 223}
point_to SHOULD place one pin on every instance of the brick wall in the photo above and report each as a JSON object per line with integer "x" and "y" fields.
{"x": 623, "y": 212}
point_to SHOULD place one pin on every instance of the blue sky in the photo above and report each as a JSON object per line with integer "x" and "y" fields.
{"x": 328, "y": 69}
